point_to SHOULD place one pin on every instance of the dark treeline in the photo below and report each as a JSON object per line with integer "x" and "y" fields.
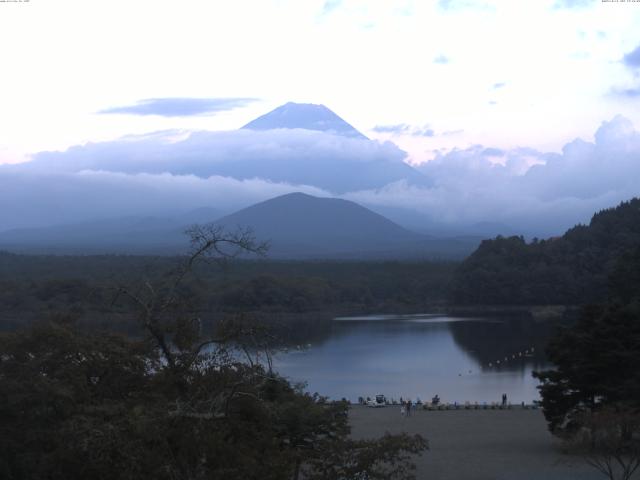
{"x": 33, "y": 287}
{"x": 591, "y": 398}
{"x": 572, "y": 269}
{"x": 598, "y": 358}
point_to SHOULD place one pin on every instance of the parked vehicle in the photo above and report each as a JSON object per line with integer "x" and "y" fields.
{"x": 378, "y": 401}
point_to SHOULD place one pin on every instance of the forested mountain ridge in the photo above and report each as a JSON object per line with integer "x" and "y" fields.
{"x": 571, "y": 269}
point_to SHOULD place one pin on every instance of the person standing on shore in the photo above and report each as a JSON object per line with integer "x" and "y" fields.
{"x": 409, "y": 408}
{"x": 504, "y": 399}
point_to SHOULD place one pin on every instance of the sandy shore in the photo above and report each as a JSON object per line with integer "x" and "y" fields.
{"x": 477, "y": 444}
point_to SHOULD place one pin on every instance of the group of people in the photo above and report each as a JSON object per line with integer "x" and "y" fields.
{"x": 405, "y": 407}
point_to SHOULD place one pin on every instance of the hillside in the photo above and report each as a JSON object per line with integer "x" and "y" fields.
{"x": 302, "y": 226}
{"x": 571, "y": 269}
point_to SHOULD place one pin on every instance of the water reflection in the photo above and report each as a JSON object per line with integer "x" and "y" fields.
{"x": 421, "y": 355}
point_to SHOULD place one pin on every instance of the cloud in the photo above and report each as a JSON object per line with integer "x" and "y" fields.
{"x": 632, "y": 59}
{"x": 534, "y": 192}
{"x": 405, "y": 129}
{"x": 180, "y": 107}
{"x": 627, "y": 92}
{"x": 574, "y": 3}
{"x": 446, "y": 4}
{"x": 425, "y": 132}
{"x": 441, "y": 60}
{"x": 41, "y": 199}
{"x": 453, "y": 132}
{"x": 293, "y": 156}
{"x": 456, "y": 5}
{"x": 493, "y": 152}
{"x": 330, "y": 5}
{"x": 397, "y": 128}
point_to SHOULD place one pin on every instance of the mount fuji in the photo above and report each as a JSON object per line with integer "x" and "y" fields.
{"x": 308, "y": 116}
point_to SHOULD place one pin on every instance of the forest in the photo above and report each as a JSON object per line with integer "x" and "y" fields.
{"x": 33, "y": 287}
{"x": 569, "y": 270}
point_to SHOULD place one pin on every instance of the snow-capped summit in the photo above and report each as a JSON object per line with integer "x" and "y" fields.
{"x": 304, "y": 115}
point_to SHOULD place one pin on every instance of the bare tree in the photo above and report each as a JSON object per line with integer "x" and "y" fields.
{"x": 161, "y": 307}
{"x": 608, "y": 441}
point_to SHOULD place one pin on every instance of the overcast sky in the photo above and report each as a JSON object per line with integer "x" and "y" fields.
{"x": 428, "y": 75}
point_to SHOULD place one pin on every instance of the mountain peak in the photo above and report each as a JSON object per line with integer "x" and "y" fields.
{"x": 302, "y": 225}
{"x": 308, "y": 116}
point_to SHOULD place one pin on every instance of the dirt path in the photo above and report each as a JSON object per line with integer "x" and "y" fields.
{"x": 477, "y": 444}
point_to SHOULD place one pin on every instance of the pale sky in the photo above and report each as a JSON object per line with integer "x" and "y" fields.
{"x": 441, "y": 73}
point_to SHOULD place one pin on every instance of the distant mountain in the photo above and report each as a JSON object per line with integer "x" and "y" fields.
{"x": 421, "y": 222}
{"x": 304, "y": 115}
{"x": 198, "y": 215}
{"x": 571, "y": 269}
{"x": 298, "y": 226}
{"x": 302, "y": 226}
{"x": 133, "y": 234}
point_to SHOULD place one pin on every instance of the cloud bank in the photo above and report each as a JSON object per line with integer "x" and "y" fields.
{"x": 632, "y": 59}
{"x": 405, "y": 129}
{"x": 330, "y": 5}
{"x": 41, "y": 199}
{"x": 180, "y": 107}
{"x": 533, "y": 192}
{"x": 630, "y": 93}
{"x": 574, "y": 3}
{"x": 292, "y": 156}
{"x": 457, "y": 5}
{"x": 536, "y": 193}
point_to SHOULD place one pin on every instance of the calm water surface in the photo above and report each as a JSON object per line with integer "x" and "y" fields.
{"x": 421, "y": 355}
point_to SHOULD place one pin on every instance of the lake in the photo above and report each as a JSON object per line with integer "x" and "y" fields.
{"x": 460, "y": 359}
